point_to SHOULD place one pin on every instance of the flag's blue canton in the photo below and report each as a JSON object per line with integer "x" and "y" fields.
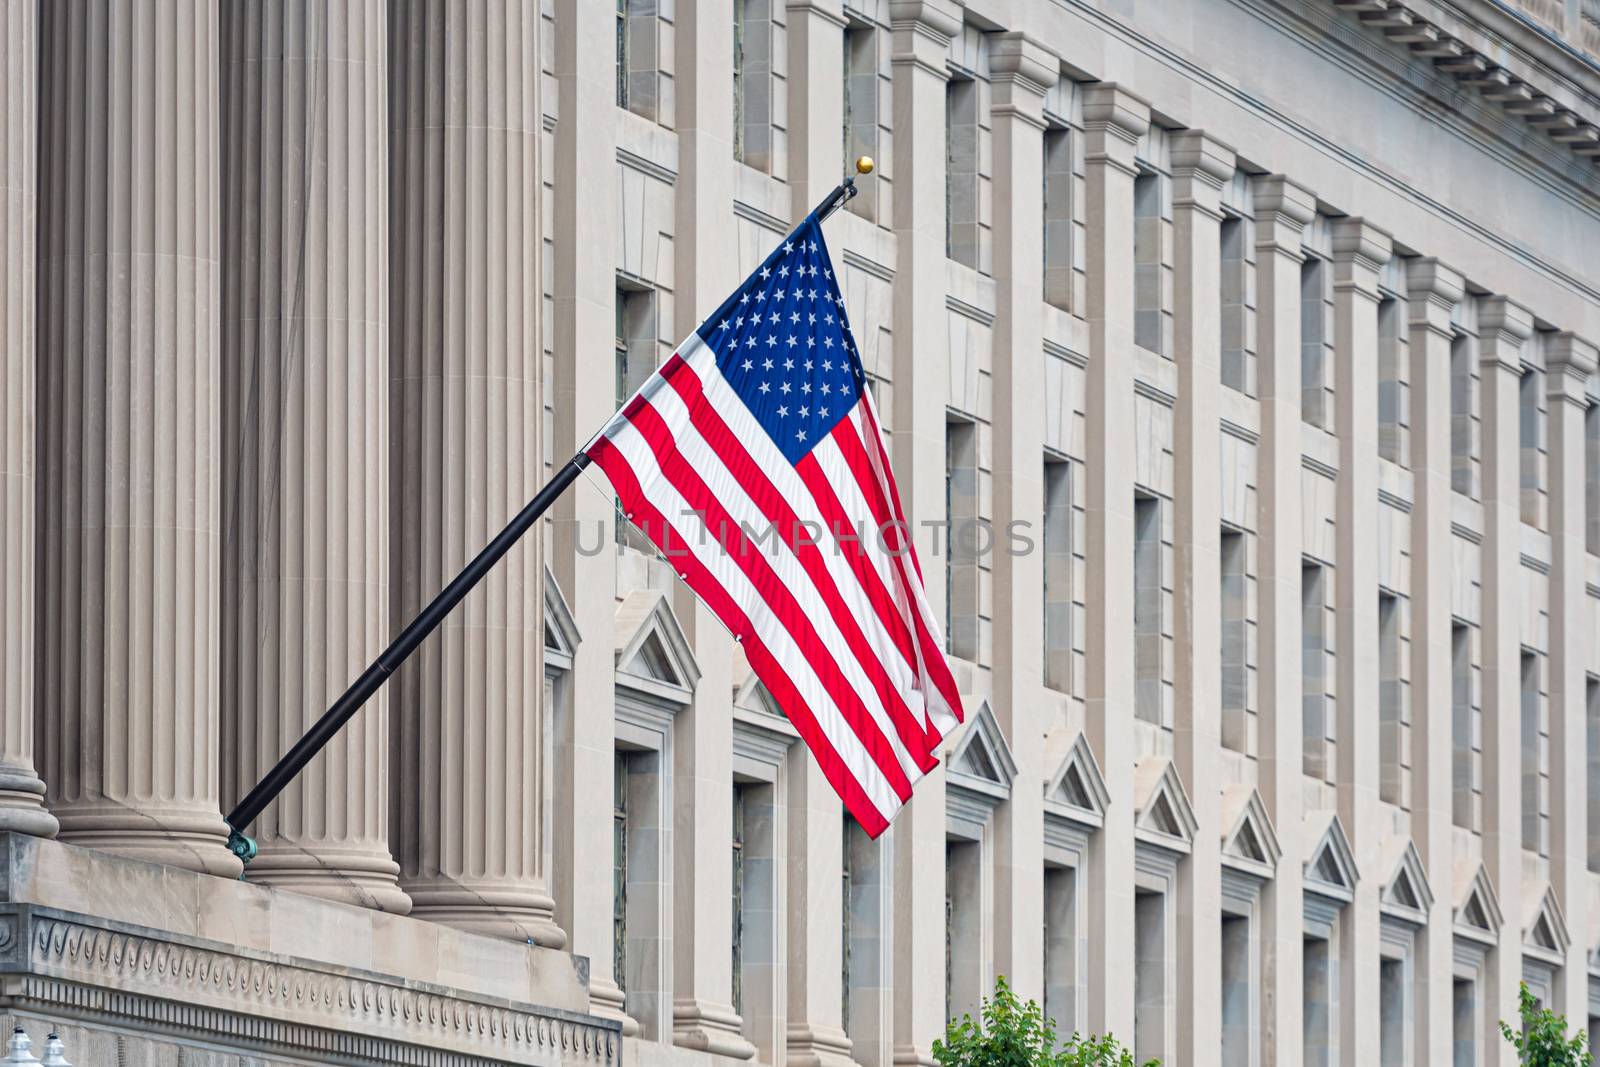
{"x": 783, "y": 343}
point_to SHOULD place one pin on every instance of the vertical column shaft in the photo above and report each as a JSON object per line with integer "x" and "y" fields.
{"x": 1434, "y": 290}
{"x": 129, "y": 352}
{"x": 702, "y": 739}
{"x": 21, "y": 790}
{"x": 922, "y": 34}
{"x": 470, "y": 736}
{"x": 1113, "y": 121}
{"x": 1022, "y": 71}
{"x": 1569, "y": 360}
{"x": 1359, "y": 250}
{"x": 305, "y": 375}
{"x": 1282, "y": 210}
{"x": 1502, "y": 328}
{"x": 1200, "y": 167}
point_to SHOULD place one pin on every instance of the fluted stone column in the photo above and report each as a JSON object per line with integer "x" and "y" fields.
{"x": 1360, "y": 250}
{"x": 1113, "y": 121}
{"x": 1200, "y": 166}
{"x": 922, "y": 32}
{"x": 470, "y": 731}
{"x": 1023, "y": 70}
{"x": 129, "y": 356}
{"x": 1503, "y": 326}
{"x": 21, "y": 791}
{"x": 305, "y": 376}
{"x": 1569, "y": 360}
{"x": 1433, "y": 290}
{"x": 1282, "y": 209}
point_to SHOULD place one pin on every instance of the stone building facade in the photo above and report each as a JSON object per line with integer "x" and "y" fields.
{"x": 1274, "y": 322}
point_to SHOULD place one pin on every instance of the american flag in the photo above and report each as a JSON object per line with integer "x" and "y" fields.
{"x": 753, "y": 459}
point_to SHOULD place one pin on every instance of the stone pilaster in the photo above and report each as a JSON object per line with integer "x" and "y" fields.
{"x": 305, "y": 376}
{"x": 129, "y": 354}
{"x": 21, "y": 791}
{"x": 1503, "y": 326}
{"x": 816, "y": 908}
{"x": 470, "y": 734}
{"x": 1282, "y": 210}
{"x": 1200, "y": 166}
{"x": 815, "y": 854}
{"x": 583, "y": 287}
{"x": 922, "y": 32}
{"x": 1359, "y": 251}
{"x": 1113, "y": 121}
{"x": 816, "y": 100}
{"x": 1434, "y": 290}
{"x": 1022, "y": 71}
{"x": 703, "y": 1016}
{"x": 1569, "y": 360}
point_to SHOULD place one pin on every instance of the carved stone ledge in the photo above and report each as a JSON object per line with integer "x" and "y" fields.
{"x": 121, "y": 976}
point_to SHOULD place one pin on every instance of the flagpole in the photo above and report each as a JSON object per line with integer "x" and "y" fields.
{"x": 371, "y": 680}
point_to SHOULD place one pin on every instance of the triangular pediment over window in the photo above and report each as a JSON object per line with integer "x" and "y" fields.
{"x": 1544, "y": 927}
{"x": 653, "y": 656}
{"x": 1331, "y": 870}
{"x": 1476, "y": 906}
{"x": 981, "y": 758}
{"x": 1249, "y": 842}
{"x": 1163, "y": 815}
{"x": 748, "y": 691}
{"x": 560, "y": 631}
{"x": 1077, "y": 790}
{"x": 1406, "y": 894}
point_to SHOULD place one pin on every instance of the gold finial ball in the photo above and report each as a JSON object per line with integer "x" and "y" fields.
{"x": 864, "y": 165}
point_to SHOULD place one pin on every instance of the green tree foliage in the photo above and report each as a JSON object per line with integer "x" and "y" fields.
{"x": 1013, "y": 1034}
{"x": 1543, "y": 1041}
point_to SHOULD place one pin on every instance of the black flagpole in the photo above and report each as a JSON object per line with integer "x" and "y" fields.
{"x": 372, "y": 679}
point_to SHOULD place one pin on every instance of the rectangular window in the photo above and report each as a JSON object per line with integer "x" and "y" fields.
{"x": 961, "y": 171}
{"x": 1464, "y": 1024}
{"x": 1061, "y": 948}
{"x": 1149, "y": 977}
{"x": 1321, "y": 995}
{"x": 1234, "y": 280}
{"x": 619, "y": 872}
{"x": 1465, "y": 765}
{"x": 1463, "y": 428}
{"x": 844, "y": 926}
{"x": 1313, "y": 339}
{"x": 1314, "y": 672}
{"x": 1591, "y": 693}
{"x": 1148, "y": 649}
{"x": 868, "y": 917}
{"x": 1393, "y": 720}
{"x": 964, "y": 962}
{"x": 1591, "y": 477}
{"x": 861, "y": 110}
{"x": 1238, "y": 992}
{"x": 738, "y": 898}
{"x": 622, "y": 53}
{"x": 1393, "y": 395}
{"x": 1057, "y": 548}
{"x": 1530, "y": 419}
{"x": 1148, "y": 325}
{"x": 1392, "y": 1013}
{"x": 753, "y": 89}
{"x": 1058, "y": 217}
{"x": 1235, "y": 643}
{"x": 961, "y": 537}
{"x": 1535, "y": 758}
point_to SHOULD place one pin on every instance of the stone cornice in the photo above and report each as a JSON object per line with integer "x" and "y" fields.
{"x": 1550, "y": 86}
{"x": 939, "y": 20}
{"x": 1360, "y": 250}
{"x": 1503, "y": 324}
{"x": 119, "y": 974}
{"x": 1110, "y": 108}
{"x": 1018, "y": 58}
